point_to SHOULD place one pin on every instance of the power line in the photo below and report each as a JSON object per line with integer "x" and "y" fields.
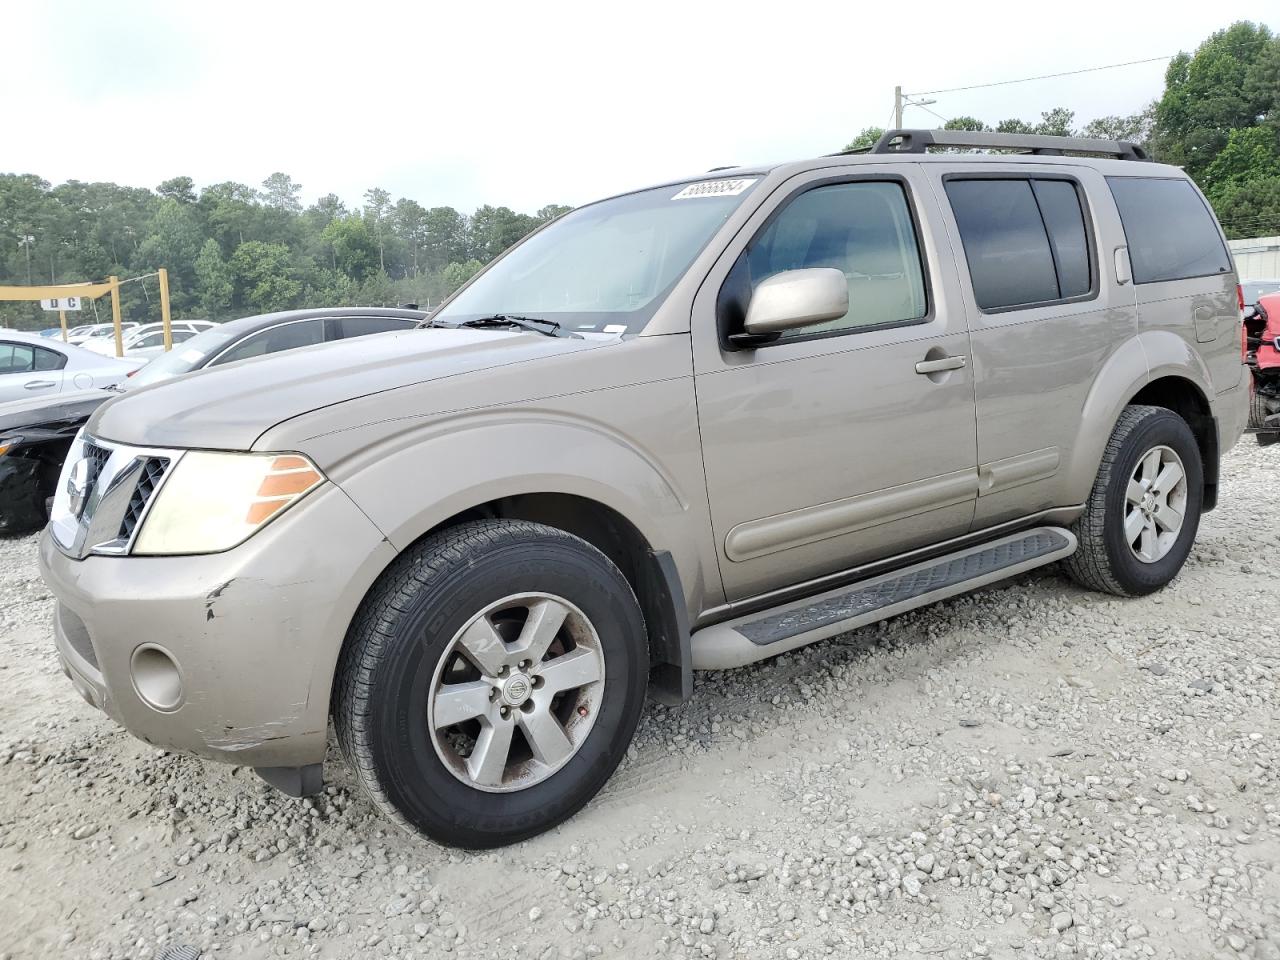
{"x": 1047, "y": 76}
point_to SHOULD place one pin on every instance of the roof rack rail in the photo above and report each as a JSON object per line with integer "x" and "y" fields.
{"x": 919, "y": 141}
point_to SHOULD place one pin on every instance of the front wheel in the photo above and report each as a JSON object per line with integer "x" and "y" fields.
{"x": 1141, "y": 518}
{"x": 491, "y": 682}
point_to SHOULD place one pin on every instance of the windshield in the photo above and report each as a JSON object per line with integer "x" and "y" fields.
{"x": 182, "y": 359}
{"x": 605, "y": 267}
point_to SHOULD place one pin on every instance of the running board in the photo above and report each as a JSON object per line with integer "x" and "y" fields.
{"x": 767, "y": 633}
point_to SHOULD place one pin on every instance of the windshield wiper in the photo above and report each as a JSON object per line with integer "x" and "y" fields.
{"x": 536, "y": 324}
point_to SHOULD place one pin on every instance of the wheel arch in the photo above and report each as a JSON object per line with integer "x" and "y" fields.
{"x": 652, "y": 573}
{"x": 1185, "y": 398}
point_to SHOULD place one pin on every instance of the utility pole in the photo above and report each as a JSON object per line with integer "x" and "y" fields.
{"x": 897, "y": 108}
{"x": 163, "y": 275}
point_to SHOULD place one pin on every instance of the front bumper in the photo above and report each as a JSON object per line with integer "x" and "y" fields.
{"x": 254, "y": 632}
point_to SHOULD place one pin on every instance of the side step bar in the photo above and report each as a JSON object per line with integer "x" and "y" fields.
{"x": 767, "y": 633}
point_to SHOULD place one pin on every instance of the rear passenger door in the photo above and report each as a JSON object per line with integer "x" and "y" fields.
{"x": 1181, "y": 270}
{"x": 1046, "y": 312}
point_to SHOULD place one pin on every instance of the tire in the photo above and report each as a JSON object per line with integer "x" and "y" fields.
{"x": 414, "y": 637}
{"x": 1106, "y": 560}
{"x": 1258, "y": 411}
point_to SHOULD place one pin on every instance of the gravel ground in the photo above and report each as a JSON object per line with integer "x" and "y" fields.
{"x": 1031, "y": 771}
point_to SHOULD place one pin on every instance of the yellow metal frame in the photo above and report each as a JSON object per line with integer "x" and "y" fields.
{"x": 93, "y": 291}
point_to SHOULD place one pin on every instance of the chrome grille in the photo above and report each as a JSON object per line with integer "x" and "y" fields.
{"x": 97, "y": 457}
{"x": 119, "y": 483}
{"x": 153, "y": 470}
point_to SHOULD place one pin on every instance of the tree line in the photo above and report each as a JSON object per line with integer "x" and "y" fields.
{"x": 1218, "y": 118}
{"x": 233, "y": 249}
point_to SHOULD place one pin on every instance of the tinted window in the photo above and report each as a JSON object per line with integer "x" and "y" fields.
{"x": 287, "y": 336}
{"x": 49, "y": 359}
{"x": 1171, "y": 234}
{"x": 864, "y": 230}
{"x": 1064, "y": 220}
{"x": 16, "y": 358}
{"x": 361, "y": 326}
{"x": 1025, "y": 240}
{"x": 1005, "y": 242}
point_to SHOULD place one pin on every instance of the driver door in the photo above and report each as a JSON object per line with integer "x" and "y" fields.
{"x": 848, "y": 441}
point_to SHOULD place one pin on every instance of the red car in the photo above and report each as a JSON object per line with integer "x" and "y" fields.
{"x": 1262, "y": 352}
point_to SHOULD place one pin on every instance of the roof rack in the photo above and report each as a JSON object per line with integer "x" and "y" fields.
{"x": 920, "y": 141}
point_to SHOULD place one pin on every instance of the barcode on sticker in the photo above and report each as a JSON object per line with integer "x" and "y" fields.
{"x": 715, "y": 188}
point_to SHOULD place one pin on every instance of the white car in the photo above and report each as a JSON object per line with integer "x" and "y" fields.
{"x": 148, "y": 339}
{"x": 32, "y": 365}
{"x": 102, "y": 333}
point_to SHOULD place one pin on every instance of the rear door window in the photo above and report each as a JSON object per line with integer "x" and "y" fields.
{"x": 49, "y": 359}
{"x": 362, "y": 326}
{"x": 1025, "y": 240}
{"x": 1171, "y": 233}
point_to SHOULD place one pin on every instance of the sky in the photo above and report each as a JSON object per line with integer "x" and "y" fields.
{"x": 524, "y": 104}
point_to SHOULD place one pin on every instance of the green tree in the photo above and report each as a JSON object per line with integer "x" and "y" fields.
{"x": 550, "y": 212}
{"x": 260, "y": 272}
{"x": 1250, "y": 153}
{"x": 181, "y": 189}
{"x": 215, "y": 286}
{"x": 1251, "y": 208}
{"x": 456, "y": 274}
{"x": 867, "y": 137}
{"x": 1231, "y": 82}
{"x": 1135, "y": 128}
{"x": 965, "y": 123}
{"x": 493, "y": 229}
{"x": 281, "y": 193}
{"x": 353, "y": 249}
{"x": 377, "y": 203}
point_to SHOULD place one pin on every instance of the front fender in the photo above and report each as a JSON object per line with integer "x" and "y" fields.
{"x": 438, "y": 469}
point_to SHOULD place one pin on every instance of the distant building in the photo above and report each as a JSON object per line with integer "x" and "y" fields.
{"x": 1257, "y": 258}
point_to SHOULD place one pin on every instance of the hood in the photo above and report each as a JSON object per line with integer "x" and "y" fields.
{"x": 17, "y": 415}
{"x": 228, "y": 408}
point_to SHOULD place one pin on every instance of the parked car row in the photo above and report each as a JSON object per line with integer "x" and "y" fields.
{"x": 53, "y": 387}
{"x": 147, "y": 340}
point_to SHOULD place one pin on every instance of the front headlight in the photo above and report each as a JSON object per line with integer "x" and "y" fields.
{"x": 213, "y": 501}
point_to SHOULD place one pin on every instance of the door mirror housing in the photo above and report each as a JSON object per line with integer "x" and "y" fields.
{"x": 793, "y": 299}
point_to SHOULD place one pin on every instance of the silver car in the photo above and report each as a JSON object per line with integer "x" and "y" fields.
{"x": 32, "y": 365}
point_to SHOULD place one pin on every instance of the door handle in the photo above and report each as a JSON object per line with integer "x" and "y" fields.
{"x": 938, "y": 366}
{"x": 38, "y": 384}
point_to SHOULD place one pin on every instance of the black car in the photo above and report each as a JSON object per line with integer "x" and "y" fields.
{"x": 35, "y": 434}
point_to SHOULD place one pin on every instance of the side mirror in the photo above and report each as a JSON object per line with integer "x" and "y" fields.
{"x": 792, "y": 299}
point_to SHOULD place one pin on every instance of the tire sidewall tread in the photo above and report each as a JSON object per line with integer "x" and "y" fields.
{"x": 429, "y": 592}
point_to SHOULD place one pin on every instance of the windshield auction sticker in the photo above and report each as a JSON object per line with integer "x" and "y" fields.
{"x": 715, "y": 188}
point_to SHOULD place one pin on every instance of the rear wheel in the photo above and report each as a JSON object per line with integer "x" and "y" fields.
{"x": 1142, "y": 515}
{"x": 492, "y": 682}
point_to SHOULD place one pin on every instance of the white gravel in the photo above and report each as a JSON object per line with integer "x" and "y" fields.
{"x": 1031, "y": 771}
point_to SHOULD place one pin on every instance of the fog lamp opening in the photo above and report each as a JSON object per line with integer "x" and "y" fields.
{"x": 156, "y": 679}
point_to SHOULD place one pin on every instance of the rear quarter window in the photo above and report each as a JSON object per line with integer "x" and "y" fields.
{"x": 1171, "y": 233}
